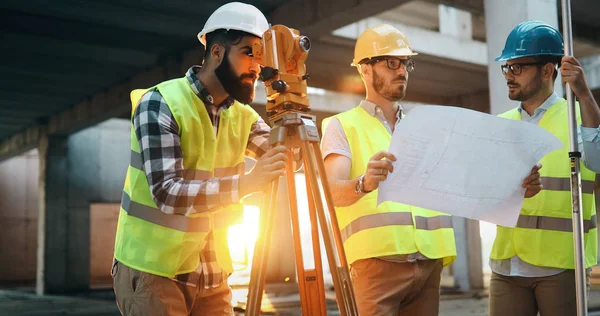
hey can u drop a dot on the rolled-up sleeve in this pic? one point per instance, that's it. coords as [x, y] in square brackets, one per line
[157, 134]
[590, 145]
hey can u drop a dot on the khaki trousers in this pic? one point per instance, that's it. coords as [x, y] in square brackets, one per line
[144, 294]
[390, 288]
[520, 296]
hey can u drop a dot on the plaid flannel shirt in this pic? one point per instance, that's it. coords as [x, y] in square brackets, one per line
[157, 134]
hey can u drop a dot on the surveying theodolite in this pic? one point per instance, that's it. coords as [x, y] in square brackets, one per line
[282, 53]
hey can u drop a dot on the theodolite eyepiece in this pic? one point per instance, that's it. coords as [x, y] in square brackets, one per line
[282, 53]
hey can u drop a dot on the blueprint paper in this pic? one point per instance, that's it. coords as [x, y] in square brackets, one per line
[464, 163]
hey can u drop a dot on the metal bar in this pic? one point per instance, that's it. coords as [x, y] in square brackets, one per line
[349, 300]
[319, 305]
[333, 255]
[575, 155]
[295, 222]
[261, 251]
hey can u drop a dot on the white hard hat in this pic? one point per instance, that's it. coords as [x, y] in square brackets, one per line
[235, 16]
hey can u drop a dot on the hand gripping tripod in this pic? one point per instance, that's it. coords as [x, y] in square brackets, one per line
[293, 127]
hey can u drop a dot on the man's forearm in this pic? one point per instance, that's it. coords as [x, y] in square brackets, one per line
[590, 112]
[247, 186]
[183, 197]
[343, 193]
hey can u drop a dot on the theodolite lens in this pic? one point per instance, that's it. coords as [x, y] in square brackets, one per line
[279, 86]
[304, 43]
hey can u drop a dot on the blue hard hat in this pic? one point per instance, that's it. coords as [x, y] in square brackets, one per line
[532, 38]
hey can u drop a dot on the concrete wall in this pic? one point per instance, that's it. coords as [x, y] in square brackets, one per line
[98, 159]
[18, 218]
[103, 226]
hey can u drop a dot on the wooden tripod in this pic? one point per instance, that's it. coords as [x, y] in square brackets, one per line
[296, 129]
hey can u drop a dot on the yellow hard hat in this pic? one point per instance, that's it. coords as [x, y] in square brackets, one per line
[381, 40]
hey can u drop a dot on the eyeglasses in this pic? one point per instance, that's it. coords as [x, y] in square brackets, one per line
[517, 68]
[394, 63]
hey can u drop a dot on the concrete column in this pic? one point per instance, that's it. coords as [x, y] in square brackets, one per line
[455, 22]
[467, 268]
[54, 273]
[591, 67]
[500, 18]
[76, 170]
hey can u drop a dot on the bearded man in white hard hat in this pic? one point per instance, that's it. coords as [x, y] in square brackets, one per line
[186, 176]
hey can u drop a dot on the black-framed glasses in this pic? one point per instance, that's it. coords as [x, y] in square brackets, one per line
[517, 68]
[394, 63]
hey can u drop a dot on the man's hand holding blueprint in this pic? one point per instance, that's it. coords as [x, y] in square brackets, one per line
[464, 163]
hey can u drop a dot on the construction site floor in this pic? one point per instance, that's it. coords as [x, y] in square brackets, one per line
[23, 302]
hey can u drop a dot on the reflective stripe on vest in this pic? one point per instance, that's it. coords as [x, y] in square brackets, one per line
[169, 244]
[543, 234]
[136, 161]
[433, 223]
[388, 228]
[395, 218]
[553, 223]
[564, 184]
[375, 220]
[172, 221]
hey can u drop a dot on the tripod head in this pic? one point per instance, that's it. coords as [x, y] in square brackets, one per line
[282, 53]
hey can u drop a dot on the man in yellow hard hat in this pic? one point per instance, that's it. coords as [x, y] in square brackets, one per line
[396, 252]
[186, 175]
[533, 263]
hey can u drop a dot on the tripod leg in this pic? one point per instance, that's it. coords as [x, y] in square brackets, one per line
[320, 305]
[331, 235]
[334, 226]
[310, 282]
[261, 251]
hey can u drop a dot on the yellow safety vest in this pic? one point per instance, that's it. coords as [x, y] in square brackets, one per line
[167, 244]
[543, 234]
[391, 228]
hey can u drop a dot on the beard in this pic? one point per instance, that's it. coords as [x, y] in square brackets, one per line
[233, 84]
[525, 93]
[387, 91]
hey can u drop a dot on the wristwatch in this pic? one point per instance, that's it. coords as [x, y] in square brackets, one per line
[359, 188]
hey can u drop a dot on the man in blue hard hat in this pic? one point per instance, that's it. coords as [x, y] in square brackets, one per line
[533, 263]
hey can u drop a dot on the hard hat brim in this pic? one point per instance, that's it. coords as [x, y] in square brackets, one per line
[402, 52]
[202, 34]
[511, 57]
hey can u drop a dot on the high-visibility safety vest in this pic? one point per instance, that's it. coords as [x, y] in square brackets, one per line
[543, 235]
[169, 244]
[391, 228]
